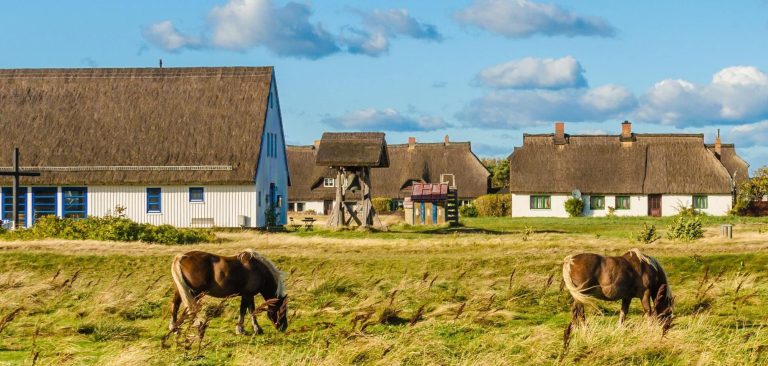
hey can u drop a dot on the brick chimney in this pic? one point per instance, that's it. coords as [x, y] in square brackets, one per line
[718, 145]
[411, 143]
[559, 137]
[447, 140]
[627, 137]
[626, 129]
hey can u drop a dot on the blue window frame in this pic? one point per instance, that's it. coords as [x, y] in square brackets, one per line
[44, 201]
[75, 202]
[154, 200]
[7, 204]
[196, 194]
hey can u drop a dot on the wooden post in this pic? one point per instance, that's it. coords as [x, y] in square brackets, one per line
[337, 214]
[15, 189]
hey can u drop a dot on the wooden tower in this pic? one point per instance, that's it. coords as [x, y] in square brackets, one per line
[352, 155]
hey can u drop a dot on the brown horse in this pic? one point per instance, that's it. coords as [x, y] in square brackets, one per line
[590, 276]
[246, 274]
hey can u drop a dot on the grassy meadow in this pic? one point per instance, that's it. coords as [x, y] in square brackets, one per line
[486, 293]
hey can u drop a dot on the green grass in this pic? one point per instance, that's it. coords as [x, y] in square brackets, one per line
[341, 285]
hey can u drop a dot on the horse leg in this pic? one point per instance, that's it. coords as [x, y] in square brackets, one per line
[577, 313]
[243, 309]
[624, 310]
[646, 300]
[256, 326]
[175, 304]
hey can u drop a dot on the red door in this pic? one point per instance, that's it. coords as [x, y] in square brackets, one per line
[654, 205]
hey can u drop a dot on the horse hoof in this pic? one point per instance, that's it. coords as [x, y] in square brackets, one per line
[239, 330]
[259, 331]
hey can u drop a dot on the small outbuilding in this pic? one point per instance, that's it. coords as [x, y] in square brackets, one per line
[431, 204]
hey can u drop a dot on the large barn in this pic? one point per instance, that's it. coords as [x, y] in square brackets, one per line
[313, 187]
[189, 147]
[630, 174]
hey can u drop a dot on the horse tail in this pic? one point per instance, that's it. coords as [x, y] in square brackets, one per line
[181, 286]
[576, 292]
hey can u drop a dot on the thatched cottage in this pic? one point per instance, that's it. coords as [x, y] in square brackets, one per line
[630, 174]
[189, 147]
[313, 187]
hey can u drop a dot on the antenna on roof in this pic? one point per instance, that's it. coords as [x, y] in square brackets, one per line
[161, 63]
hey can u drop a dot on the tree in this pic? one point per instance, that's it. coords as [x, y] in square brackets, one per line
[499, 169]
[751, 190]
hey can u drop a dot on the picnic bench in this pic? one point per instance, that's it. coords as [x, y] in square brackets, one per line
[309, 222]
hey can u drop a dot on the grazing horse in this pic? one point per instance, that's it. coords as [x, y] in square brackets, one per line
[246, 274]
[590, 276]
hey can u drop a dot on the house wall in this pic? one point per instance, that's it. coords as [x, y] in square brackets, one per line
[272, 169]
[222, 203]
[316, 206]
[717, 205]
[638, 206]
[521, 206]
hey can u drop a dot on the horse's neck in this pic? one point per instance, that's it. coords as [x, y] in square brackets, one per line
[268, 285]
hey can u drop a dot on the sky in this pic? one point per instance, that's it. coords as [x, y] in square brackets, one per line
[484, 71]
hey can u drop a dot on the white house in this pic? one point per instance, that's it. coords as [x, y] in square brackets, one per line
[630, 174]
[189, 147]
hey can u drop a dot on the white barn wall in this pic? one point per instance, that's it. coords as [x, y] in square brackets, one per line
[717, 205]
[222, 203]
[272, 169]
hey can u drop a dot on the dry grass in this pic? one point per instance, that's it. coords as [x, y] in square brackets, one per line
[460, 298]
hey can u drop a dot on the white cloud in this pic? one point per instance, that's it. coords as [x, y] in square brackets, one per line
[532, 73]
[525, 18]
[388, 119]
[753, 134]
[285, 30]
[736, 94]
[522, 108]
[165, 35]
[381, 25]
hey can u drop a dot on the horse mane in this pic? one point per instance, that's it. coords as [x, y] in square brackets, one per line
[651, 261]
[277, 274]
[577, 292]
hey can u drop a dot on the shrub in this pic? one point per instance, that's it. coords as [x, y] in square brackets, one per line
[574, 206]
[497, 205]
[382, 204]
[648, 234]
[611, 211]
[685, 228]
[468, 210]
[108, 228]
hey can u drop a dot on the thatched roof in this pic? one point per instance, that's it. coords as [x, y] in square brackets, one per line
[424, 162]
[353, 149]
[187, 117]
[653, 164]
[737, 167]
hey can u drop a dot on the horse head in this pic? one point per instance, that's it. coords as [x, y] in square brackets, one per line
[663, 303]
[277, 311]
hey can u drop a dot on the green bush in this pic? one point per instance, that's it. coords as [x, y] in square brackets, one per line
[497, 205]
[468, 210]
[574, 207]
[382, 204]
[685, 228]
[648, 234]
[108, 228]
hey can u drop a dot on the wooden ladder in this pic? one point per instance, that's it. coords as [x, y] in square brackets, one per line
[452, 206]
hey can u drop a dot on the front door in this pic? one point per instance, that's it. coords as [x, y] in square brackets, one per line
[654, 205]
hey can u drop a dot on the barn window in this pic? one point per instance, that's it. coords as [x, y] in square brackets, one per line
[329, 182]
[75, 202]
[7, 202]
[300, 206]
[622, 203]
[196, 194]
[43, 201]
[596, 202]
[700, 202]
[541, 202]
[154, 200]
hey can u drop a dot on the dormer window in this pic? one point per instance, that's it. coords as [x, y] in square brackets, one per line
[329, 182]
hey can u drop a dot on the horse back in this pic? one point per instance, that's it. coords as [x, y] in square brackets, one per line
[606, 278]
[218, 276]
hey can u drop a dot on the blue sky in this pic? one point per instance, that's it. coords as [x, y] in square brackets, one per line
[479, 70]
